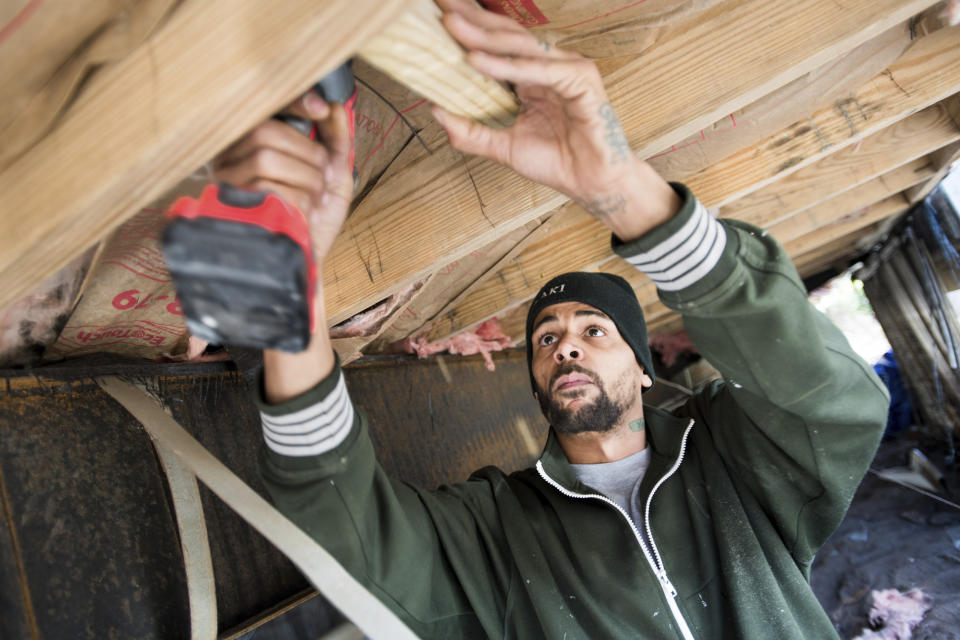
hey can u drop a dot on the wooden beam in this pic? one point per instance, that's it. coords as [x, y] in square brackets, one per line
[781, 108]
[860, 197]
[449, 283]
[773, 48]
[889, 148]
[834, 252]
[928, 72]
[442, 206]
[519, 274]
[846, 225]
[586, 244]
[213, 70]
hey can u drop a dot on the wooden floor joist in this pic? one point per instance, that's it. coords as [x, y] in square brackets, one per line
[899, 144]
[928, 72]
[920, 133]
[942, 159]
[861, 196]
[781, 108]
[850, 223]
[442, 206]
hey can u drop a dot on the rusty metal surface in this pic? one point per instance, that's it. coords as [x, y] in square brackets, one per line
[251, 575]
[437, 420]
[98, 551]
[88, 506]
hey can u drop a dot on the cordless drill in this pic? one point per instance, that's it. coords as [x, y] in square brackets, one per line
[242, 261]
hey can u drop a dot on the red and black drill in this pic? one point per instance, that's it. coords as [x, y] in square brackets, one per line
[242, 261]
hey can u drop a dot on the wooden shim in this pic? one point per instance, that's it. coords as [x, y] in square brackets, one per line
[889, 148]
[862, 196]
[440, 207]
[211, 72]
[417, 51]
[927, 72]
[847, 224]
[781, 108]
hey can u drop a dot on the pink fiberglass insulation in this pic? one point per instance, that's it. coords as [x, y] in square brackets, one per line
[485, 339]
[671, 346]
[368, 322]
[894, 615]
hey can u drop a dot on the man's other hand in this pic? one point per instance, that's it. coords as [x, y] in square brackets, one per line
[567, 135]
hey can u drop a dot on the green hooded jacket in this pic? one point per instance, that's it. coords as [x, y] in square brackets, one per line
[745, 483]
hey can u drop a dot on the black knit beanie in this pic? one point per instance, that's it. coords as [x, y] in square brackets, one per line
[604, 291]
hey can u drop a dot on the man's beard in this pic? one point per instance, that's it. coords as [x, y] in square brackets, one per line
[601, 415]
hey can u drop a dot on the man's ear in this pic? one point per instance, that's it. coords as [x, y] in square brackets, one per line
[536, 396]
[645, 381]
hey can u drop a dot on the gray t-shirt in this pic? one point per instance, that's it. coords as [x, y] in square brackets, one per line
[618, 480]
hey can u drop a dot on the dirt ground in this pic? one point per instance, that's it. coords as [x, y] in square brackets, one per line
[894, 537]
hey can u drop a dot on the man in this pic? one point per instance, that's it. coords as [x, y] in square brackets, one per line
[634, 523]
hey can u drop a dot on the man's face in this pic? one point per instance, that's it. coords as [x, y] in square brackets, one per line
[586, 374]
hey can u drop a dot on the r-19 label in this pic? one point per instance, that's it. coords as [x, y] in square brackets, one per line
[132, 299]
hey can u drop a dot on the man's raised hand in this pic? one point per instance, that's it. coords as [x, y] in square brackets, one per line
[567, 135]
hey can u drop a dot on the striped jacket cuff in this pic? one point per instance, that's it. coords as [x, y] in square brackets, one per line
[314, 429]
[687, 249]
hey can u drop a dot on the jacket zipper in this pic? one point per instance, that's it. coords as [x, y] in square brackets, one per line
[654, 560]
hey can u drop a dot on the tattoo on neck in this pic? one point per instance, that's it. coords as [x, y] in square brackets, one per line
[637, 425]
[605, 206]
[615, 138]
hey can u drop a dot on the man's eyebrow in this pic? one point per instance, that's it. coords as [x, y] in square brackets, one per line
[542, 320]
[581, 312]
[592, 312]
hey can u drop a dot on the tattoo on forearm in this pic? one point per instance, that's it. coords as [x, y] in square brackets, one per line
[615, 137]
[605, 206]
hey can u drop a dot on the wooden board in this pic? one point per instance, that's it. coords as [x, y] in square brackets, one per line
[851, 223]
[773, 48]
[896, 145]
[211, 72]
[415, 50]
[864, 195]
[447, 284]
[788, 104]
[926, 73]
